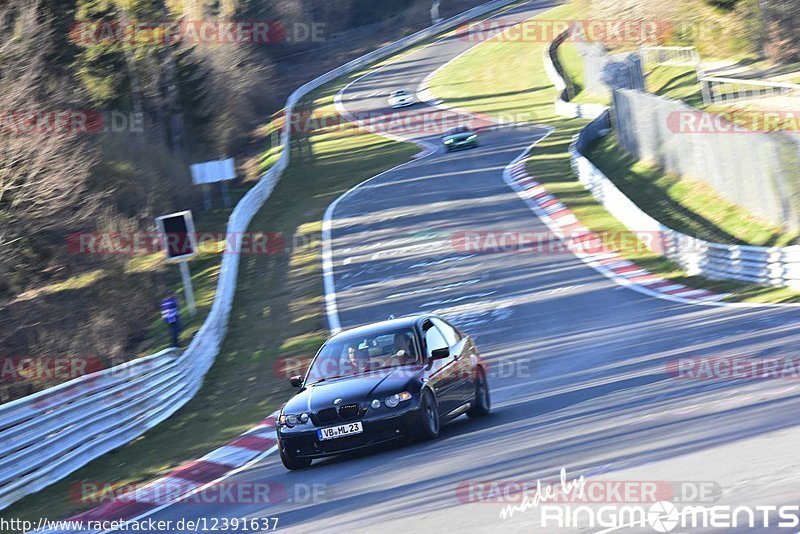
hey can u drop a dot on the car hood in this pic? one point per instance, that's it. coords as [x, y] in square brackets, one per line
[458, 137]
[354, 389]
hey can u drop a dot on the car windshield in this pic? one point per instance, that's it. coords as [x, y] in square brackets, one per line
[457, 130]
[357, 354]
[399, 93]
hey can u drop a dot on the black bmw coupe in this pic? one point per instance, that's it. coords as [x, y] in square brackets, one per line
[400, 378]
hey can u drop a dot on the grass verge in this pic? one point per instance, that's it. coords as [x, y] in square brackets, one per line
[688, 206]
[501, 77]
[677, 83]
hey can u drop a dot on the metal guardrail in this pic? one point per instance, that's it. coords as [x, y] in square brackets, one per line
[723, 90]
[775, 266]
[718, 89]
[670, 55]
[48, 435]
[566, 91]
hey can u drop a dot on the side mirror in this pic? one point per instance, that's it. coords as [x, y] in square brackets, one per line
[440, 354]
[296, 381]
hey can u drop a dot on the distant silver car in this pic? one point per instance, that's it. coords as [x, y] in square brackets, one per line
[400, 99]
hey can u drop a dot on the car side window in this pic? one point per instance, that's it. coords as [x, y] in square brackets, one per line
[434, 340]
[449, 333]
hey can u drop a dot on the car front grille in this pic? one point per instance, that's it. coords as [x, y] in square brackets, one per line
[328, 415]
[332, 415]
[348, 411]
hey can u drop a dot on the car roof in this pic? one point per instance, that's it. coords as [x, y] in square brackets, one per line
[457, 129]
[407, 321]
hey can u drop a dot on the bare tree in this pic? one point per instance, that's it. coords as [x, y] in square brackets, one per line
[44, 161]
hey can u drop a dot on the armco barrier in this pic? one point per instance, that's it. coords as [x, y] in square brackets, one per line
[48, 435]
[777, 266]
[557, 76]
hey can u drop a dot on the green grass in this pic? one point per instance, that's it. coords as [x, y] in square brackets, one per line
[688, 206]
[571, 60]
[501, 78]
[677, 83]
[277, 315]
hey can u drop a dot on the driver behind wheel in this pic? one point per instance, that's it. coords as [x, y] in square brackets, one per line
[403, 350]
[354, 362]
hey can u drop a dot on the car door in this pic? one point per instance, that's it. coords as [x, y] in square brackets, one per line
[443, 373]
[463, 386]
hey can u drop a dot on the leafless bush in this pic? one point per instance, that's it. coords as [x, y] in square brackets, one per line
[782, 22]
[43, 168]
[236, 93]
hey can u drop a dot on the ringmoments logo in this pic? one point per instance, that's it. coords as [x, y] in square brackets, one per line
[609, 506]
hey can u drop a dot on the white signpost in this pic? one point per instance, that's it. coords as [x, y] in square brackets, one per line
[210, 172]
[179, 243]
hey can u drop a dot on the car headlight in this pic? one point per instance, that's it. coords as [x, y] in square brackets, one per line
[397, 398]
[293, 420]
[448, 141]
[472, 137]
[375, 404]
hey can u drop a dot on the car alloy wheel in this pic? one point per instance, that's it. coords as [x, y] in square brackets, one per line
[429, 414]
[482, 403]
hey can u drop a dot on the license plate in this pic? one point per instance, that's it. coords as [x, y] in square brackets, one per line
[334, 432]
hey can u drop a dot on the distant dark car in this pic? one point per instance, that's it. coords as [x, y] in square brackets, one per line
[401, 378]
[459, 137]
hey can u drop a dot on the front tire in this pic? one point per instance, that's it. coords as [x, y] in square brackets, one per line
[291, 463]
[482, 405]
[429, 416]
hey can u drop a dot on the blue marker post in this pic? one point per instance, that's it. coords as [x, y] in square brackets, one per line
[171, 315]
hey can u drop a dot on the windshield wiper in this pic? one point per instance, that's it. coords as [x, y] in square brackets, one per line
[324, 378]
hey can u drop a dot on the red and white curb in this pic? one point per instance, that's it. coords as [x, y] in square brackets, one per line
[188, 479]
[565, 225]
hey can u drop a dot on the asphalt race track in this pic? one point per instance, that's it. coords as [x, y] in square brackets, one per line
[578, 365]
